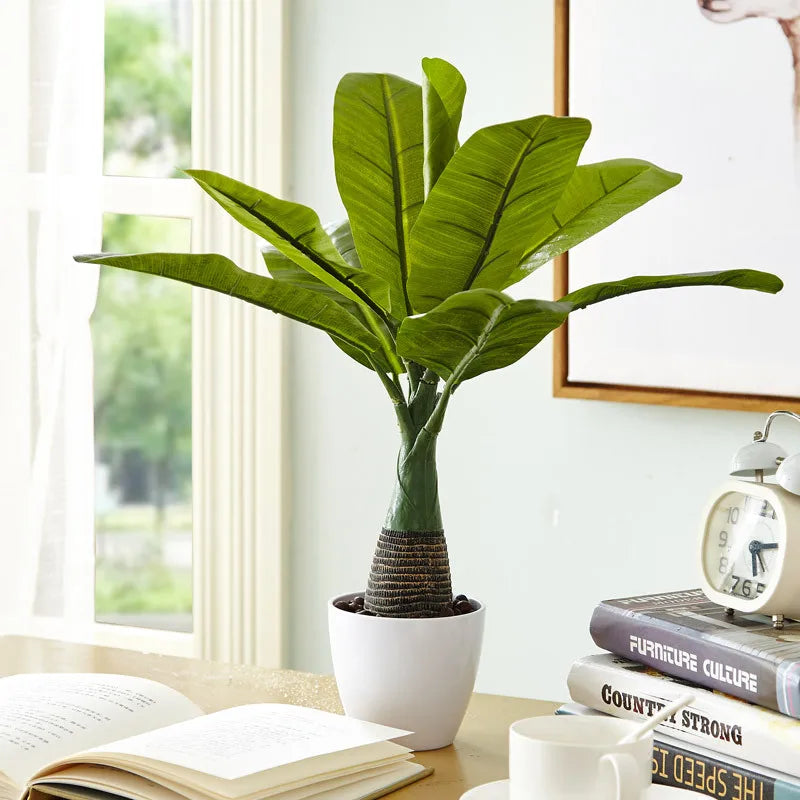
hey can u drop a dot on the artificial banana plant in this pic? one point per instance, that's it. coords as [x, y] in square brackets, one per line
[411, 285]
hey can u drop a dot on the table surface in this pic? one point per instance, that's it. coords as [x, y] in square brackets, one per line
[479, 754]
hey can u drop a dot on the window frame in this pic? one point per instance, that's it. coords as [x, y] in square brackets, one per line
[238, 429]
[238, 128]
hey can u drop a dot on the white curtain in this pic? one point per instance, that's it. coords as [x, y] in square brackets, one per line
[59, 169]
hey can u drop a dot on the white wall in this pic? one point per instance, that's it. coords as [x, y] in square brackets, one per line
[549, 505]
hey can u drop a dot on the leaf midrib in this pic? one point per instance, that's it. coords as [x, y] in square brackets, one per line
[239, 274]
[306, 251]
[561, 225]
[397, 197]
[498, 213]
[491, 323]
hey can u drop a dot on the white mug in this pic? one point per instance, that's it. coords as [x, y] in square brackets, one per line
[577, 758]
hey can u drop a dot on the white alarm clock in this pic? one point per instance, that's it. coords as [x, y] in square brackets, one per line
[750, 535]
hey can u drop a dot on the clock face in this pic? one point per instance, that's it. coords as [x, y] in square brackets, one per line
[741, 552]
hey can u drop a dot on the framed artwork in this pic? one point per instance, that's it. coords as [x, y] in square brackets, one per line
[706, 88]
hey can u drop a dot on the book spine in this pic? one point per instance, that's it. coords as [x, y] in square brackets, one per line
[677, 651]
[706, 772]
[721, 724]
[715, 777]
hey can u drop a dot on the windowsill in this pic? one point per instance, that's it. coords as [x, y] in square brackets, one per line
[127, 637]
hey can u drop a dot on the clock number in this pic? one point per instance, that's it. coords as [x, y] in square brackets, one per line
[745, 588]
[733, 515]
[723, 565]
[723, 538]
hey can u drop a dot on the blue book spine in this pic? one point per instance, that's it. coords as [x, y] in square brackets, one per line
[715, 777]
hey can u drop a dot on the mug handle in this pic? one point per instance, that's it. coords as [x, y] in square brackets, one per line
[627, 775]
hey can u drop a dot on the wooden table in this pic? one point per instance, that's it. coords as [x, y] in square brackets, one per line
[480, 752]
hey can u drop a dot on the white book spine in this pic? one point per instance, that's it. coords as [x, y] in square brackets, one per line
[714, 721]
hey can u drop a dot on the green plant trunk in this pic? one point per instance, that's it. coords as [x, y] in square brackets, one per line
[410, 574]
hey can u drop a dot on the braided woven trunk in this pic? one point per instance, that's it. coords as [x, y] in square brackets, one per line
[410, 574]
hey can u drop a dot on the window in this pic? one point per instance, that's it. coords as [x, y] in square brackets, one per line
[141, 329]
[120, 528]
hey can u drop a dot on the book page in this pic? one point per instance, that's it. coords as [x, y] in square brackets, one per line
[102, 783]
[245, 740]
[107, 779]
[44, 718]
[136, 787]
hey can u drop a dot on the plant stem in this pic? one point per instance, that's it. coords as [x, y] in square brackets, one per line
[395, 392]
[434, 424]
[410, 574]
[386, 338]
[415, 372]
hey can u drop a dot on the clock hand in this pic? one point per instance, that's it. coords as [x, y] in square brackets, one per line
[772, 546]
[761, 561]
[755, 553]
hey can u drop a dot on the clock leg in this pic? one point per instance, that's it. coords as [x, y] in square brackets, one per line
[777, 622]
[728, 612]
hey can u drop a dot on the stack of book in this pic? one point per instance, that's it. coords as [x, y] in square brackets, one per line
[740, 738]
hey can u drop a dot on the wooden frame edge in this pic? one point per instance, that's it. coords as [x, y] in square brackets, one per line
[622, 393]
[561, 264]
[663, 396]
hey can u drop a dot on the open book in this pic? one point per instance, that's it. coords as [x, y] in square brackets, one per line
[85, 737]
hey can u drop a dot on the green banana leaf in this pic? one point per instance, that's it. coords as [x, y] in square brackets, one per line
[212, 271]
[284, 269]
[476, 331]
[596, 196]
[377, 148]
[443, 93]
[294, 230]
[481, 329]
[497, 191]
[737, 278]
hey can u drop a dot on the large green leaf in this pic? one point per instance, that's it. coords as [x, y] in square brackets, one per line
[443, 93]
[294, 230]
[377, 147]
[737, 278]
[212, 271]
[477, 331]
[283, 269]
[497, 191]
[596, 196]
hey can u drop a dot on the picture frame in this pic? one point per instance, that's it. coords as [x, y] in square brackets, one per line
[619, 391]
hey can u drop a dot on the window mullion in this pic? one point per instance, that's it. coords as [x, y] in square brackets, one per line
[154, 197]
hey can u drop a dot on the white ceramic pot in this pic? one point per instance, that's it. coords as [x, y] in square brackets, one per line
[414, 674]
